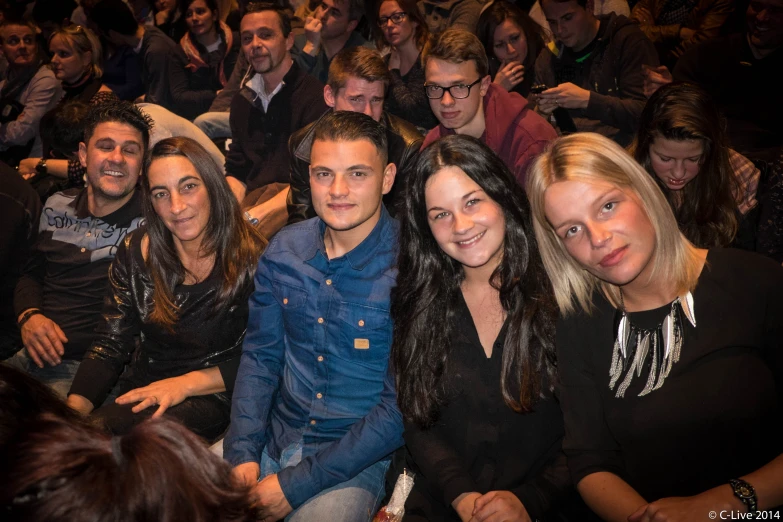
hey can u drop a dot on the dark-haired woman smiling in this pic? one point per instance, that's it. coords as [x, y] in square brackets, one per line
[181, 283]
[473, 344]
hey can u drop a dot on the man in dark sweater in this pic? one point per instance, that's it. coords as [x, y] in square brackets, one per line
[164, 70]
[276, 98]
[596, 72]
[59, 296]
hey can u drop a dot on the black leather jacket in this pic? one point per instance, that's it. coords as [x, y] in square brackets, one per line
[201, 338]
[404, 143]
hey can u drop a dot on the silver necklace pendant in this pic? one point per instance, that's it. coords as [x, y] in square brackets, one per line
[663, 343]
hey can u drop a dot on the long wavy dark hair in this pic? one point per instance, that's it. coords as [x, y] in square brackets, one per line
[236, 245]
[493, 16]
[705, 208]
[428, 285]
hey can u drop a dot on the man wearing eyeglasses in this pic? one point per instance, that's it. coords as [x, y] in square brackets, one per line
[465, 101]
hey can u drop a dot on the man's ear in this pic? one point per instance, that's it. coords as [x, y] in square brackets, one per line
[289, 41]
[485, 81]
[329, 96]
[83, 154]
[389, 173]
[352, 25]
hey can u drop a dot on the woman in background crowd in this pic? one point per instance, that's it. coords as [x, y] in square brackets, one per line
[76, 62]
[483, 431]
[402, 28]
[512, 41]
[668, 354]
[210, 45]
[682, 144]
[182, 283]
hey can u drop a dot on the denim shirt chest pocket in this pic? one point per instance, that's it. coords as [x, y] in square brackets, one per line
[365, 334]
[292, 302]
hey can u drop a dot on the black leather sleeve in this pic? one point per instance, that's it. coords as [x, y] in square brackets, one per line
[299, 202]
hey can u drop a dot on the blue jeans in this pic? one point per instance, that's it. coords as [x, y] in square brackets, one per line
[58, 377]
[355, 500]
[214, 124]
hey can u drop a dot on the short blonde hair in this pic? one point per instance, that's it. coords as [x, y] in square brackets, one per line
[590, 158]
[82, 40]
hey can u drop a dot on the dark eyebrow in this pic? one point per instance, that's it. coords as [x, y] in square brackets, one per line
[466, 196]
[360, 167]
[108, 140]
[180, 182]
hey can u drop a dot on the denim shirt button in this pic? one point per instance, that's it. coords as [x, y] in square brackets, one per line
[320, 358]
[329, 282]
[312, 422]
[361, 322]
[320, 320]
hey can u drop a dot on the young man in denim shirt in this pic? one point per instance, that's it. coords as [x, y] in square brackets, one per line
[314, 412]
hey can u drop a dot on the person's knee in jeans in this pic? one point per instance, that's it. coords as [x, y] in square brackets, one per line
[356, 500]
[58, 377]
[214, 124]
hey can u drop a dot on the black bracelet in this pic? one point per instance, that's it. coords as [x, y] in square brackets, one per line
[27, 315]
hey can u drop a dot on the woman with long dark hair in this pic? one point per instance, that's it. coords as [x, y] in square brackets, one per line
[668, 354]
[682, 143]
[210, 45]
[473, 346]
[401, 27]
[180, 284]
[513, 41]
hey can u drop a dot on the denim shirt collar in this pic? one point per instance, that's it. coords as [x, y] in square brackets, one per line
[362, 254]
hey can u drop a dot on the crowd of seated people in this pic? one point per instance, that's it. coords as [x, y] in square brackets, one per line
[260, 259]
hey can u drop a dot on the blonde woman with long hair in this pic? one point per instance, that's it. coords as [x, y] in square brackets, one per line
[671, 374]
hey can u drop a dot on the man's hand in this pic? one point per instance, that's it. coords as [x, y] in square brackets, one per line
[655, 78]
[465, 504]
[43, 339]
[165, 393]
[247, 473]
[501, 506]
[312, 29]
[510, 75]
[689, 509]
[566, 95]
[27, 167]
[274, 505]
[686, 33]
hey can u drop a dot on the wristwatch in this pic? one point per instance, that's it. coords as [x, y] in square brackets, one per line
[41, 167]
[746, 493]
[250, 219]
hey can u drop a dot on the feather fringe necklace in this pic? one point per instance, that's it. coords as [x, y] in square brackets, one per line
[634, 344]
